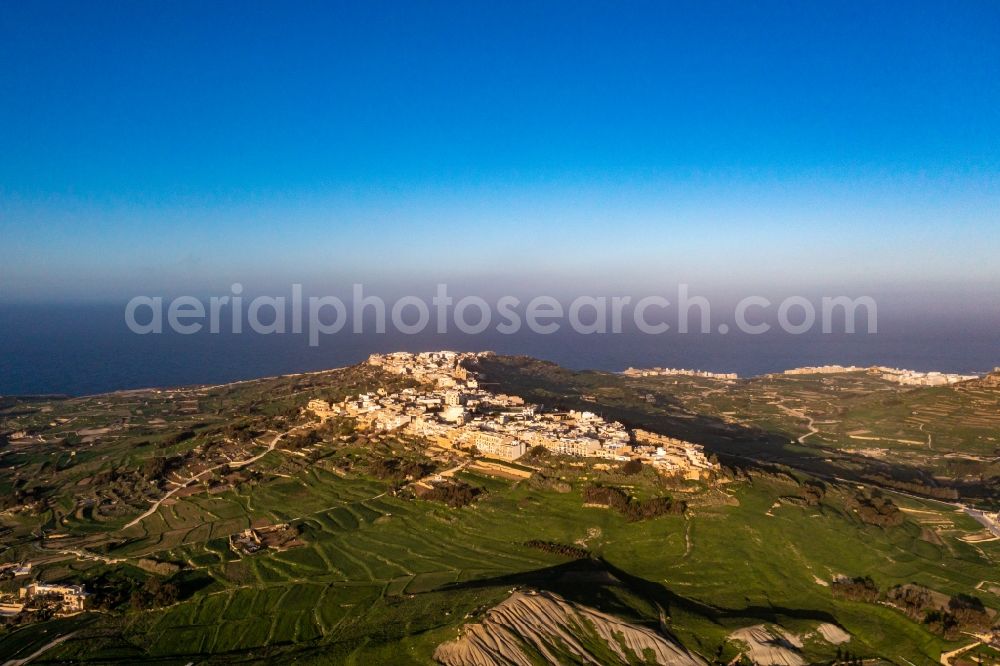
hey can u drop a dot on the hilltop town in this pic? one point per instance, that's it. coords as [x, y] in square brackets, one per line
[452, 410]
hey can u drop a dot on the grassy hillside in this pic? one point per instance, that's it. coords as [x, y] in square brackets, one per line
[383, 577]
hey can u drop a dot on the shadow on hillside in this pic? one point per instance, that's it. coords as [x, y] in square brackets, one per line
[596, 583]
[736, 446]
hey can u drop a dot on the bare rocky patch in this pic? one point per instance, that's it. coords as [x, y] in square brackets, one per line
[531, 625]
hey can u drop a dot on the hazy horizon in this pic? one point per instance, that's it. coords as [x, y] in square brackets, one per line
[784, 150]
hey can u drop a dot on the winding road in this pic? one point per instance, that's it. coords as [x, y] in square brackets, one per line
[799, 414]
[238, 463]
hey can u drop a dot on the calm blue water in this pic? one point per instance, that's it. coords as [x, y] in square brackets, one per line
[88, 349]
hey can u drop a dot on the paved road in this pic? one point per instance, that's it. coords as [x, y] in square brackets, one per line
[37, 653]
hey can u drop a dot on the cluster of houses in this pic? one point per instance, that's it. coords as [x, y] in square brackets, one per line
[61, 599]
[823, 370]
[14, 570]
[904, 377]
[658, 372]
[451, 410]
[916, 378]
[67, 598]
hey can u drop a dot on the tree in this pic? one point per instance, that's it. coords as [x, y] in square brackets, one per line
[632, 467]
[538, 452]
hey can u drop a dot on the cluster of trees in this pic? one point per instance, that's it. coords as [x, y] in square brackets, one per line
[398, 469]
[631, 508]
[917, 487]
[23, 495]
[964, 612]
[859, 588]
[126, 489]
[876, 509]
[542, 482]
[156, 468]
[847, 658]
[455, 494]
[911, 599]
[573, 552]
[243, 432]
[152, 469]
[310, 438]
[970, 613]
[153, 594]
[114, 591]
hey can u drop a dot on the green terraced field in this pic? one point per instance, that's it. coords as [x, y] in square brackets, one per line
[384, 578]
[376, 573]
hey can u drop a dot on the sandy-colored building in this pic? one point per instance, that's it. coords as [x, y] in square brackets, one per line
[497, 445]
[72, 598]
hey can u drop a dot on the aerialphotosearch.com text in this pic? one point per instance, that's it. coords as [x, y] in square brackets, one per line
[362, 313]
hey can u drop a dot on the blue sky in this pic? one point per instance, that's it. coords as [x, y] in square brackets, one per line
[179, 147]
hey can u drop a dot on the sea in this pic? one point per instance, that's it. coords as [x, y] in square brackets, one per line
[87, 349]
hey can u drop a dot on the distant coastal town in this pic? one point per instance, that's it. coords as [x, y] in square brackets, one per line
[655, 372]
[896, 375]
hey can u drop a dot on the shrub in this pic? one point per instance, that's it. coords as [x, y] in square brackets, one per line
[455, 494]
[876, 509]
[574, 552]
[542, 482]
[813, 492]
[632, 467]
[538, 452]
[632, 509]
